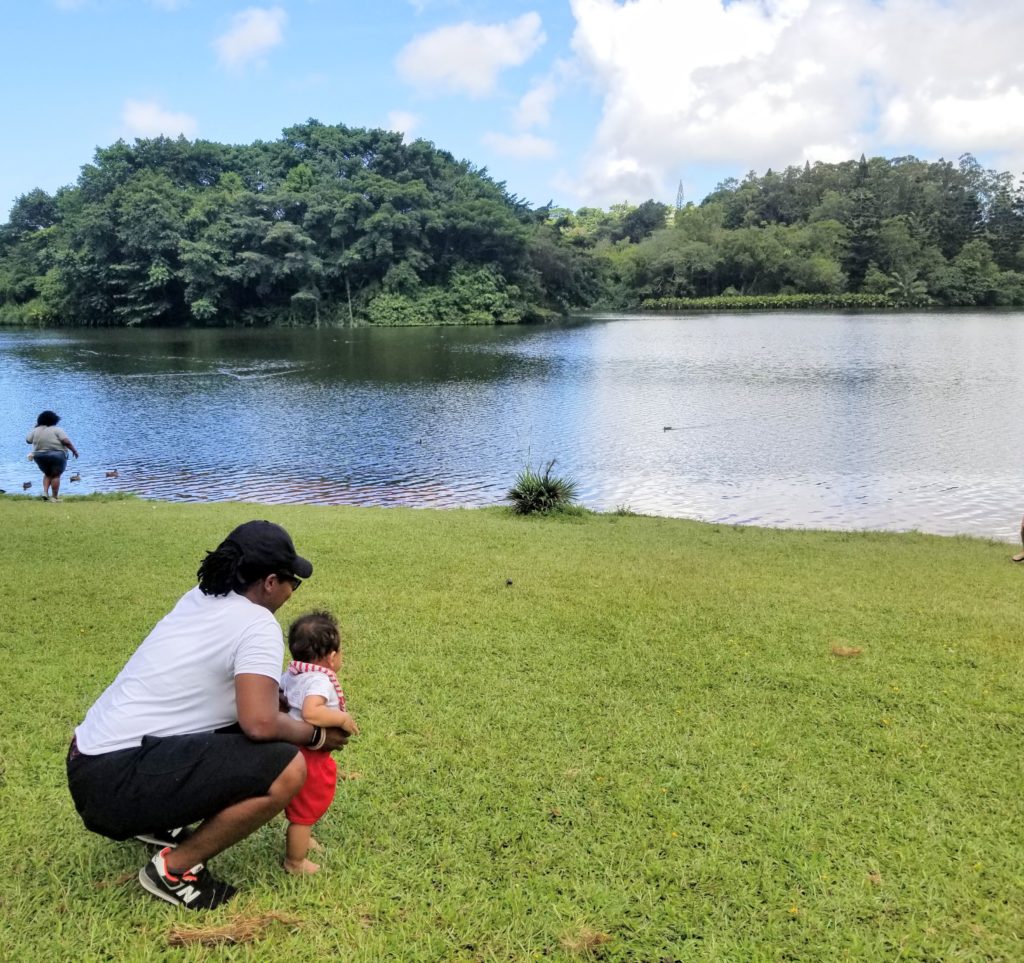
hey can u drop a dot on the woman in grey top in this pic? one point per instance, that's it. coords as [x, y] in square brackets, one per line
[50, 447]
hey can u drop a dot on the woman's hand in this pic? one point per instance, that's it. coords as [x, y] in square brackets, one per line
[336, 738]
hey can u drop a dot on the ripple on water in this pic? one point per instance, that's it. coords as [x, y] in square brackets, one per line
[835, 421]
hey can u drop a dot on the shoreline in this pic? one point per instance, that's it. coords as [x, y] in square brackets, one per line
[1010, 539]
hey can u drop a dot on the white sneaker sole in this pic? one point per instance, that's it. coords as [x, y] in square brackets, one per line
[150, 887]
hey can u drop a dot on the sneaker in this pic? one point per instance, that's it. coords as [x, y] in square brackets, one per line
[194, 889]
[166, 837]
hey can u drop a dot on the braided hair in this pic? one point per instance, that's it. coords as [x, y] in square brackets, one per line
[224, 571]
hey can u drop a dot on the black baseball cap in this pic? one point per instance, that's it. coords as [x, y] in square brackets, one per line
[267, 548]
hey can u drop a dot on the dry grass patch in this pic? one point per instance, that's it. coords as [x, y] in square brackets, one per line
[585, 941]
[240, 929]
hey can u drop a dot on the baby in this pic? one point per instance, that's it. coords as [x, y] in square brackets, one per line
[310, 686]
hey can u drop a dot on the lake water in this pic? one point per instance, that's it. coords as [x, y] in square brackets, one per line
[826, 421]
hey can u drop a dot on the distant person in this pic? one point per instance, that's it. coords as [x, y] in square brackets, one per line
[1019, 557]
[192, 728]
[313, 694]
[50, 447]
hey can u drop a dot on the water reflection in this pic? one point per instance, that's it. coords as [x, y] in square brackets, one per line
[838, 421]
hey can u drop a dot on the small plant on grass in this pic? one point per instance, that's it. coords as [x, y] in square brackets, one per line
[541, 493]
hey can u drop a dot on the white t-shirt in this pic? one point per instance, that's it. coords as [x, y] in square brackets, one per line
[181, 679]
[297, 687]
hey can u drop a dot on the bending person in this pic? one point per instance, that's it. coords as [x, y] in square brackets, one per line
[1019, 557]
[191, 728]
[50, 447]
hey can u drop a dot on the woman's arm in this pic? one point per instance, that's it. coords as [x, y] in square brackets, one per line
[262, 720]
[69, 444]
[317, 712]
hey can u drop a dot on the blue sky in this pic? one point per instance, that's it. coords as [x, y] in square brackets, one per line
[583, 102]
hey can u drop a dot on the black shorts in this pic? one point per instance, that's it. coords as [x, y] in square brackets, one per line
[171, 781]
[51, 463]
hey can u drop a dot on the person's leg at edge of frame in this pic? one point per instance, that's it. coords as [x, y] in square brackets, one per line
[55, 486]
[230, 825]
[1019, 557]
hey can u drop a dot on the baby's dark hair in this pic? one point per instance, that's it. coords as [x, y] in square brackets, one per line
[312, 636]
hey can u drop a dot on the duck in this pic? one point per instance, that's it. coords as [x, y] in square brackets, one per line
[75, 477]
[25, 486]
[112, 474]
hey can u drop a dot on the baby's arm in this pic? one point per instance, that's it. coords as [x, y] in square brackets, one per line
[317, 712]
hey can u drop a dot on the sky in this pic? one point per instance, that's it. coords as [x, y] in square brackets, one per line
[576, 102]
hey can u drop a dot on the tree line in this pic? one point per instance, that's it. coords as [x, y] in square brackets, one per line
[334, 225]
[903, 230]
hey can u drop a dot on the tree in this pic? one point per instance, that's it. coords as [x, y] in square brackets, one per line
[34, 211]
[644, 220]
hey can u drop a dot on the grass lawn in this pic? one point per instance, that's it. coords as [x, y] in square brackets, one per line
[641, 749]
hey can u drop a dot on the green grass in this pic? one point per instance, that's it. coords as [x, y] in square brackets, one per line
[645, 736]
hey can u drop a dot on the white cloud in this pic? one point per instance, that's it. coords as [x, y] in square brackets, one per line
[467, 57]
[534, 109]
[146, 118]
[759, 83]
[964, 119]
[252, 33]
[403, 121]
[522, 146]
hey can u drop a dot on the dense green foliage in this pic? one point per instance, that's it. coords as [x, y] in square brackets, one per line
[324, 225]
[909, 232]
[644, 745]
[777, 302]
[340, 225]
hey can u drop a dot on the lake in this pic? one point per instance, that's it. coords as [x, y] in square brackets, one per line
[843, 421]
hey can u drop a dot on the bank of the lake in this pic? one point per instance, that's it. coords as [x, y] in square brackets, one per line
[627, 727]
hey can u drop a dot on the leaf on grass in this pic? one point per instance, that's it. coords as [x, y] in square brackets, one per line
[845, 651]
[241, 929]
[118, 881]
[585, 941]
[875, 878]
[350, 774]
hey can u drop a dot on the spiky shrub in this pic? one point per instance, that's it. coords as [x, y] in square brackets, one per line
[541, 492]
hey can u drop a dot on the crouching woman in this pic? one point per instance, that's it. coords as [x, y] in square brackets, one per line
[191, 729]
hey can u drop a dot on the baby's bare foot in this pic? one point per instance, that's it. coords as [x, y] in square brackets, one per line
[300, 867]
